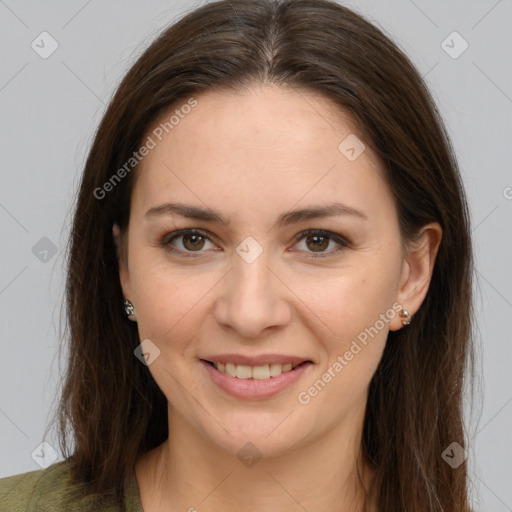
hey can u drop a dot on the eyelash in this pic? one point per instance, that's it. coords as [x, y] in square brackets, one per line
[168, 238]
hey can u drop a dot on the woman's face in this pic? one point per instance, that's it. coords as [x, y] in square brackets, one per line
[305, 267]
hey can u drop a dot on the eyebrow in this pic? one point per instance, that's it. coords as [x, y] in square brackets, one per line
[287, 218]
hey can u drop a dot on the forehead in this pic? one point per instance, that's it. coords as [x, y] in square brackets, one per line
[262, 147]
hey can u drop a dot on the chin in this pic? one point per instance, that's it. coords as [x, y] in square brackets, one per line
[270, 436]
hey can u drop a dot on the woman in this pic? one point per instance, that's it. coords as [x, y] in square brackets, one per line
[269, 280]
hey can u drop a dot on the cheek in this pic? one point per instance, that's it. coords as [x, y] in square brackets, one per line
[351, 319]
[352, 301]
[170, 307]
[351, 323]
[168, 301]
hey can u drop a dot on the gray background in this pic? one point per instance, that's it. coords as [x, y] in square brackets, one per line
[51, 107]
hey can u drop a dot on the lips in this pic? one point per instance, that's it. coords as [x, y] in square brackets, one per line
[254, 377]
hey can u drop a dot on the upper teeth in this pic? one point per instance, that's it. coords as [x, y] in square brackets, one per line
[262, 372]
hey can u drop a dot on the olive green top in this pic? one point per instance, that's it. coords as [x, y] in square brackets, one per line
[52, 490]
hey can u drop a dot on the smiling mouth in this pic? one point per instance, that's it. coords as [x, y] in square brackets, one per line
[259, 372]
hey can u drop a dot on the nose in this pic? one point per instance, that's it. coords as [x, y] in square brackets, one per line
[253, 299]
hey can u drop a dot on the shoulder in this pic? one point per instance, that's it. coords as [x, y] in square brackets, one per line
[22, 492]
[44, 490]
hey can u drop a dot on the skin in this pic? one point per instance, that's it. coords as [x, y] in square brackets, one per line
[251, 156]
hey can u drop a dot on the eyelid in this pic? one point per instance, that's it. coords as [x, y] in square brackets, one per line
[337, 238]
[169, 237]
[187, 231]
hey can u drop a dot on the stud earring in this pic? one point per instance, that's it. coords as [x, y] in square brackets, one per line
[406, 317]
[128, 309]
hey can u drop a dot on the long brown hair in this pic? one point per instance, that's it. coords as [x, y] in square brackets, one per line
[111, 408]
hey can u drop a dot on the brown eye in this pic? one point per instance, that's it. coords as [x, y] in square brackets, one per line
[317, 243]
[193, 242]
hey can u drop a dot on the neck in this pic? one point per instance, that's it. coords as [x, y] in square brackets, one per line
[325, 474]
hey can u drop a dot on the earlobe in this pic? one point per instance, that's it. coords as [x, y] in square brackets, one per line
[129, 310]
[417, 273]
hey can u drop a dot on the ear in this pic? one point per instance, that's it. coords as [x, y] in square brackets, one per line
[121, 253]
[417, 270]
